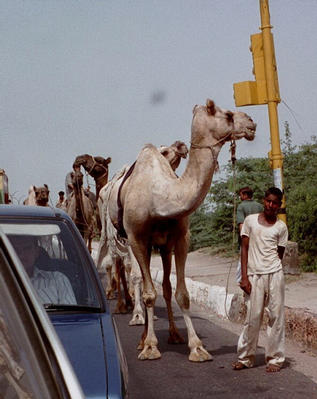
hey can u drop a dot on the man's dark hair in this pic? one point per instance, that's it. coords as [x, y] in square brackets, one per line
[275, 191]
[61, 193]
[246, 190]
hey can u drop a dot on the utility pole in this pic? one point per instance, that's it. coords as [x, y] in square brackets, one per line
[265, 90]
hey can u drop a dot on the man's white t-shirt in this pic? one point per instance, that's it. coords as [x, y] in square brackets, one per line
[263, 242]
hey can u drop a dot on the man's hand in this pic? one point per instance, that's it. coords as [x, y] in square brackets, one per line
[245, 285]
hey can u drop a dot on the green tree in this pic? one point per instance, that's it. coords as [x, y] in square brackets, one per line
[213, 223]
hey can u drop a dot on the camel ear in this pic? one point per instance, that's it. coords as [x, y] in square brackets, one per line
[229, 116]
[195, 106]
[211, 108]
[164, 153]
[46, 186]
[108, 160]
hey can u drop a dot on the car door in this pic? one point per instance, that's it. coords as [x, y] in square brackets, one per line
[33, 363]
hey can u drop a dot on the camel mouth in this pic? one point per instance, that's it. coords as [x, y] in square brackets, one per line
[250, 133]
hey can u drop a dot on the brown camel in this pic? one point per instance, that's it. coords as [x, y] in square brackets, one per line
[114, 254]
[81, 209]
[96, 167]
[38, 196]
[156, 206]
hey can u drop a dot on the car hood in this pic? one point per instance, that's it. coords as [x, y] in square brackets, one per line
[83, 339]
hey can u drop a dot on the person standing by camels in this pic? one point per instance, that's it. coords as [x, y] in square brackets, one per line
[247, 207]
[61, 203]
[264, 238]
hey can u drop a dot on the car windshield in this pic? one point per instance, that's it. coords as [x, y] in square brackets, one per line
[56, 263]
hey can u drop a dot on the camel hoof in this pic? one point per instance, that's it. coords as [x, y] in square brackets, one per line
[140, 346]
[149, 353]
[120, 309]
[110, 295]
[175, 338]
[199, 354]
[155, 318]
[129, 306]
[137, 320]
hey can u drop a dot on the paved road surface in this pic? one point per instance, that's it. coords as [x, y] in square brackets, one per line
[174, 376]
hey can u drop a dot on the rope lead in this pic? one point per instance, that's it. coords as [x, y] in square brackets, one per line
[233, 161]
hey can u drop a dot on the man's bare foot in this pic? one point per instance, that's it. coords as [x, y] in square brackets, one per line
[238, 366]
[273, 368]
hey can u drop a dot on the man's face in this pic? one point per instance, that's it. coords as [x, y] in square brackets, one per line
[243, 196]
[27, 251]
[271, 205]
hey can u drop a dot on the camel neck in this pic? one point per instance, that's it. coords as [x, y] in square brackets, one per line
[198, 174]
[100, 182]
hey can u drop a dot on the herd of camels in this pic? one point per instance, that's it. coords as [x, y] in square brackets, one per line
[147, 205]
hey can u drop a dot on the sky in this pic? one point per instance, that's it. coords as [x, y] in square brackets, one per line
[105, 77]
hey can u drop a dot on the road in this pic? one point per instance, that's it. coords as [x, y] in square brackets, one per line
[174, 376]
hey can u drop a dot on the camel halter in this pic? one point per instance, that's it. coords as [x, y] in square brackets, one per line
[93, 167]
[211, 147]
[233, 161]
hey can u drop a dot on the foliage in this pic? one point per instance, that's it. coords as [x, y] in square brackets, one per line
[213, 224]
[300, 182]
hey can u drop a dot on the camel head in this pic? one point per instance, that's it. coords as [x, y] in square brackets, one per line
[213, 125]
[41, 195]
[174, 153]
[94, 166]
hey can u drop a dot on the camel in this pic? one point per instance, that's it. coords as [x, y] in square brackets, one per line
[96, 167]
[156, 207]
[37, 196]
[81, 209]
[114, 252]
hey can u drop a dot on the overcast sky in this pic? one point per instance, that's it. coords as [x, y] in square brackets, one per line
[105, 77]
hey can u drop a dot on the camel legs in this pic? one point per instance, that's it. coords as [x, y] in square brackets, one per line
[197, 352]
[174, 336]
[142, 253]
[120, 274]
[127, 296]
[136, 282]
[102, 250]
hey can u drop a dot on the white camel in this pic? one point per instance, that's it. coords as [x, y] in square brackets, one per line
[114, 253]
[156, 206]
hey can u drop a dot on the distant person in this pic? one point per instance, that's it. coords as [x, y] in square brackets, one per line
[247, 207]
[68, 182]
[91, 196]
[264, 238]
[51, 286]
[61, 203]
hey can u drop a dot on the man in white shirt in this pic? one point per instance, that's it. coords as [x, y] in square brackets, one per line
[264, 238]
[52, 287]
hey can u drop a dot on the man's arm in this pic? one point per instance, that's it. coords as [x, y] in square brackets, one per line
[245, 284]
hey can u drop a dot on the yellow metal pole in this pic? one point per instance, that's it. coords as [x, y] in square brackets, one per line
[272, 101]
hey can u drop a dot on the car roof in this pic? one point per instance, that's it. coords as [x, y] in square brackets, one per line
[27, 211]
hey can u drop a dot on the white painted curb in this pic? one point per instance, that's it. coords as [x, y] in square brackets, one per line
[212, 297]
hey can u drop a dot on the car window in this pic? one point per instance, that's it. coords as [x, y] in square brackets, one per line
[55, 262]
[33, 364]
